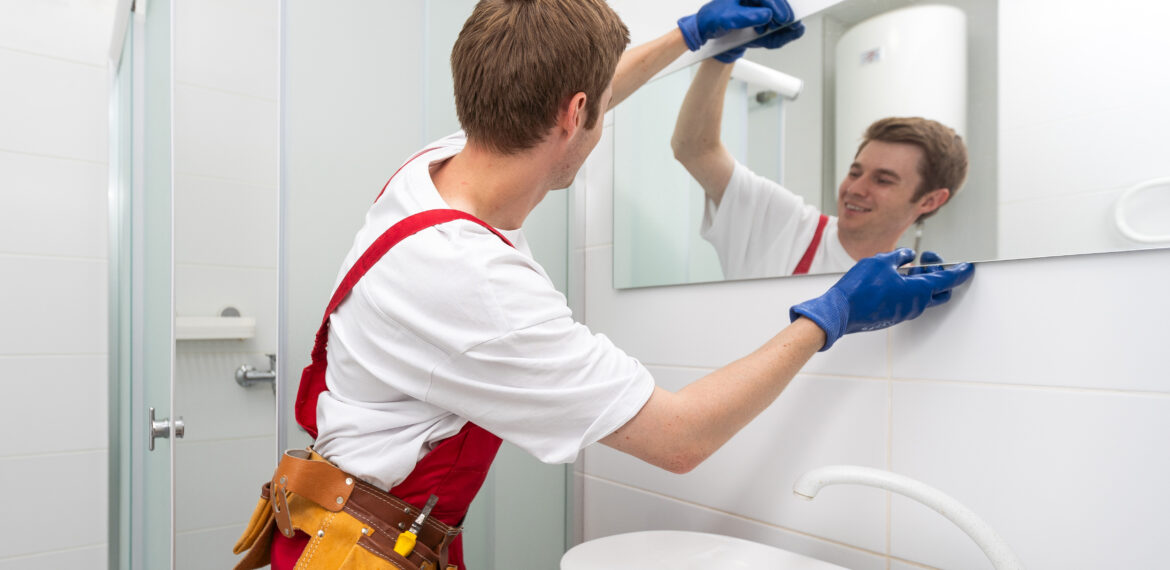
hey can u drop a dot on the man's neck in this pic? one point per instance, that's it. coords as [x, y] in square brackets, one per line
[498, 189]
[860, 246]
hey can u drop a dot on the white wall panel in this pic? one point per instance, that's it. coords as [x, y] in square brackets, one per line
[50, 204]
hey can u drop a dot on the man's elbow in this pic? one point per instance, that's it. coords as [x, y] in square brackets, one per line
[682, 461]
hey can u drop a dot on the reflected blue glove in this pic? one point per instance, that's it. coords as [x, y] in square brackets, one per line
[873, 295]
[718, 17]
[774, 40]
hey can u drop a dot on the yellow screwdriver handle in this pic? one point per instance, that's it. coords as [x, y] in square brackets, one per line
[405, 543]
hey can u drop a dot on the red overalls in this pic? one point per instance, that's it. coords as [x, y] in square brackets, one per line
[455, 469]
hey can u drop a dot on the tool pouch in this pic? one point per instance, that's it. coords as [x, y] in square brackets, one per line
[351, 524]
[257, 537]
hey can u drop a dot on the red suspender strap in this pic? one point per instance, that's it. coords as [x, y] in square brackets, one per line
[811, 252]
[313, 377]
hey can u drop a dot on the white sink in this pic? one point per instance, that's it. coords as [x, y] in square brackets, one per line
[682, 550]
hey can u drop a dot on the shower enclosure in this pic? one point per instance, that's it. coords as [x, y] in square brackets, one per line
[224, 176]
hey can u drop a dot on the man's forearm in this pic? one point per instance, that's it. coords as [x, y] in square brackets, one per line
[638, 64]
[697, 141]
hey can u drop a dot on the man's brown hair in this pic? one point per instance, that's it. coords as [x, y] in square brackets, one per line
[944, 155]
[517, 61]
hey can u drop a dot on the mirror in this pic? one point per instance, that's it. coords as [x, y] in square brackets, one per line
[1061, 131]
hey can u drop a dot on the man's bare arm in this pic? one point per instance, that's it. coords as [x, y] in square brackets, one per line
[696, 141]
[678, 430]
[638, 64]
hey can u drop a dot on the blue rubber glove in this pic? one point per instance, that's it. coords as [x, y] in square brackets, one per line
[873, 295]
[718, 17]
[774, 40]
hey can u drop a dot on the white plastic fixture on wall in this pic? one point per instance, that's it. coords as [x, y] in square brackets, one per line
[1119, 213]
[996, 549]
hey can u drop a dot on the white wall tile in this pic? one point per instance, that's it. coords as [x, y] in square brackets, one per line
[1086, 321]
[712, 325]
[53, 306]
[221, 222]
[87, 557]
[615, 509]
[207, 550]
[1081, 223]
[203, 291]
[229, 45]
[217, 483]
[53, 107]
[62, 493]
[64, 397]
[213, 405]
[68, 29]
[52, 206]
[1070, 479]
[223, 135]
[815, 422]
[1070, 156]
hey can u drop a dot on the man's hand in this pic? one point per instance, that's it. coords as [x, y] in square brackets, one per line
[873, 295]
[774, 40]
[718, 17]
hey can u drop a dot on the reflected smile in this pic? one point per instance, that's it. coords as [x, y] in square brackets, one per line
[854, 208]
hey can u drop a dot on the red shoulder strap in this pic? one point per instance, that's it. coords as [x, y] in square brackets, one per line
[313, 377]
[811, 252]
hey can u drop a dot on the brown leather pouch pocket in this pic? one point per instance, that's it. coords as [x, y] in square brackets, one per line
[257, 537]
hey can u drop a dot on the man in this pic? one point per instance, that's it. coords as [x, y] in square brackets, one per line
[904, 171]
[453, 339]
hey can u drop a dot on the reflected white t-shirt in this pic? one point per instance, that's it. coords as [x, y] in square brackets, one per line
[453, 325]
[761, 229]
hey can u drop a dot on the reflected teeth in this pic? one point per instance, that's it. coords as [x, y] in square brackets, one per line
[853, 208]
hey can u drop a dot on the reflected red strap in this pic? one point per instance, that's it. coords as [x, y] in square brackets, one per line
[313, 377]
[811, 252]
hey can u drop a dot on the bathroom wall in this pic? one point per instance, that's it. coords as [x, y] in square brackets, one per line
[1036, 397]
[225, 172]
[1066, 101]
[53, 282]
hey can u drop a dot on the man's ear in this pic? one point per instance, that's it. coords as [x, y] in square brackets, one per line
[933, 200]
[572, 115]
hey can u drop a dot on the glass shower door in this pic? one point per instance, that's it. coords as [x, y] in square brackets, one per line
[141, 310]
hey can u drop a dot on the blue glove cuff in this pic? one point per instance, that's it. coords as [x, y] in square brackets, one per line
[829, 311]
[689, 26]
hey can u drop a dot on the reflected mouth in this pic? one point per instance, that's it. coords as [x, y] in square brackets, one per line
[859, 209]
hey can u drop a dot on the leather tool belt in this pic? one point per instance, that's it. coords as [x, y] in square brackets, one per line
[351, 524]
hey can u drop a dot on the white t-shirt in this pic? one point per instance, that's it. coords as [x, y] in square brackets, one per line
[761, 229]
[451, 326]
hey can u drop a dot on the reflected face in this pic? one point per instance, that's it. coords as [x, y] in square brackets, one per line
[875, 199]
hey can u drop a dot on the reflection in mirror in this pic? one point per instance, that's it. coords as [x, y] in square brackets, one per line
[1050, 155]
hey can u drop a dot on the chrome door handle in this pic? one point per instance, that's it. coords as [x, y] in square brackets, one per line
[162, 428]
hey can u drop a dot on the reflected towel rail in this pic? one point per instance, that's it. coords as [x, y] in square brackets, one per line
[1119, 210]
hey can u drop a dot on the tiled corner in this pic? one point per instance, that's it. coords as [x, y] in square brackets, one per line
[815, 422]
[1069, 478]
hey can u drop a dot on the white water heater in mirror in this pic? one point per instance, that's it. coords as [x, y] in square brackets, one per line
[910, 62]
